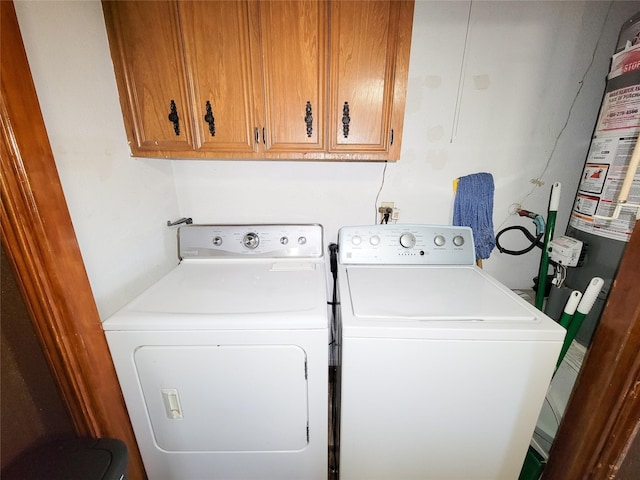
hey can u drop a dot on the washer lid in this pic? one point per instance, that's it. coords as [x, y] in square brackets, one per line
[437, 302]
[432, 293]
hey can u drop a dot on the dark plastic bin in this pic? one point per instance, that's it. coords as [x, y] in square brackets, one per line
[71, 459]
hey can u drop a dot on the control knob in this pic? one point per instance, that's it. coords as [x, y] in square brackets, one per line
[251, 240]
[407, 240]
[458, 240]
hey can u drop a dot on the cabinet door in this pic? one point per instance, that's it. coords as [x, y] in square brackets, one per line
[368, 59]
[294, 39]
[217, 38]
[147, 53]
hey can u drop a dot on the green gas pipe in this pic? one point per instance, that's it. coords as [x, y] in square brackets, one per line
[554, 202]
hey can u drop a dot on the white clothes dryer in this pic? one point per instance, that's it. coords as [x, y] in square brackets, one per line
[223, 362]
[443, 369]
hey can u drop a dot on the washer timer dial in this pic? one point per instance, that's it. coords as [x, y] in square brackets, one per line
[407, 240]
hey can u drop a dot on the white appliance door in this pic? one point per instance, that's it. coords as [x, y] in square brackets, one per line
[225, 398]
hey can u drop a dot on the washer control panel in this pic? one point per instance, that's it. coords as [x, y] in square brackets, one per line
[277, 241]
[406, 245]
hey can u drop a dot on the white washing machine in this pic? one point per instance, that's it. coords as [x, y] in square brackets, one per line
[223, 362]
[443, 370]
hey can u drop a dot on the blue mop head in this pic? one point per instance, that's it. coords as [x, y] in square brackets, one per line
[473, 207]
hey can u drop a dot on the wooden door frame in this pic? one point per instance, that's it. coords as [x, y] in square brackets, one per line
[40, 242]
[601, 419]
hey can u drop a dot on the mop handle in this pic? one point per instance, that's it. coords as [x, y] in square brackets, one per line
[590, 295]
[554, 202]
[570, 308]
[584, 307]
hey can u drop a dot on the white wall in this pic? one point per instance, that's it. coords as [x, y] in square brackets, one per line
[119, 206]
[508, 87]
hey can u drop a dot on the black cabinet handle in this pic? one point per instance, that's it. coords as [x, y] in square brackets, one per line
[257, 135]
[308, 119]
[174, 118]
[210, 119]
[346, 119]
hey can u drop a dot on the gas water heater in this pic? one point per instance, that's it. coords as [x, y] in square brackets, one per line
[593, 218]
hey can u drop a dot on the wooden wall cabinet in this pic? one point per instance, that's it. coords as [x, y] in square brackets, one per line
[294, 48]
[285, 79]
[146, 46]
[195, 58]
[369, 62]
[222, 66]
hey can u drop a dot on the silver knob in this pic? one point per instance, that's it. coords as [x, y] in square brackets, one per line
[217, 241]
[356, 240]
[284, 240]
[407, 240]
[251, 240]
[439, 240]
[458, 240]
[302, 240]
[375, 240]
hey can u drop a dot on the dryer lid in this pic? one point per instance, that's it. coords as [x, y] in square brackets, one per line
[215, 294]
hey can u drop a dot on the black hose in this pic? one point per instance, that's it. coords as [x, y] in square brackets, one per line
[334, 379]
[535, 241]
[333, 262]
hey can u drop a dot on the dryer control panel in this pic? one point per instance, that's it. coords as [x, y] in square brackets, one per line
[406, 245]
[258, 240]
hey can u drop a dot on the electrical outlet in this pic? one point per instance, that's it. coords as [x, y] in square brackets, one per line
[384, 206]
[388, 212]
